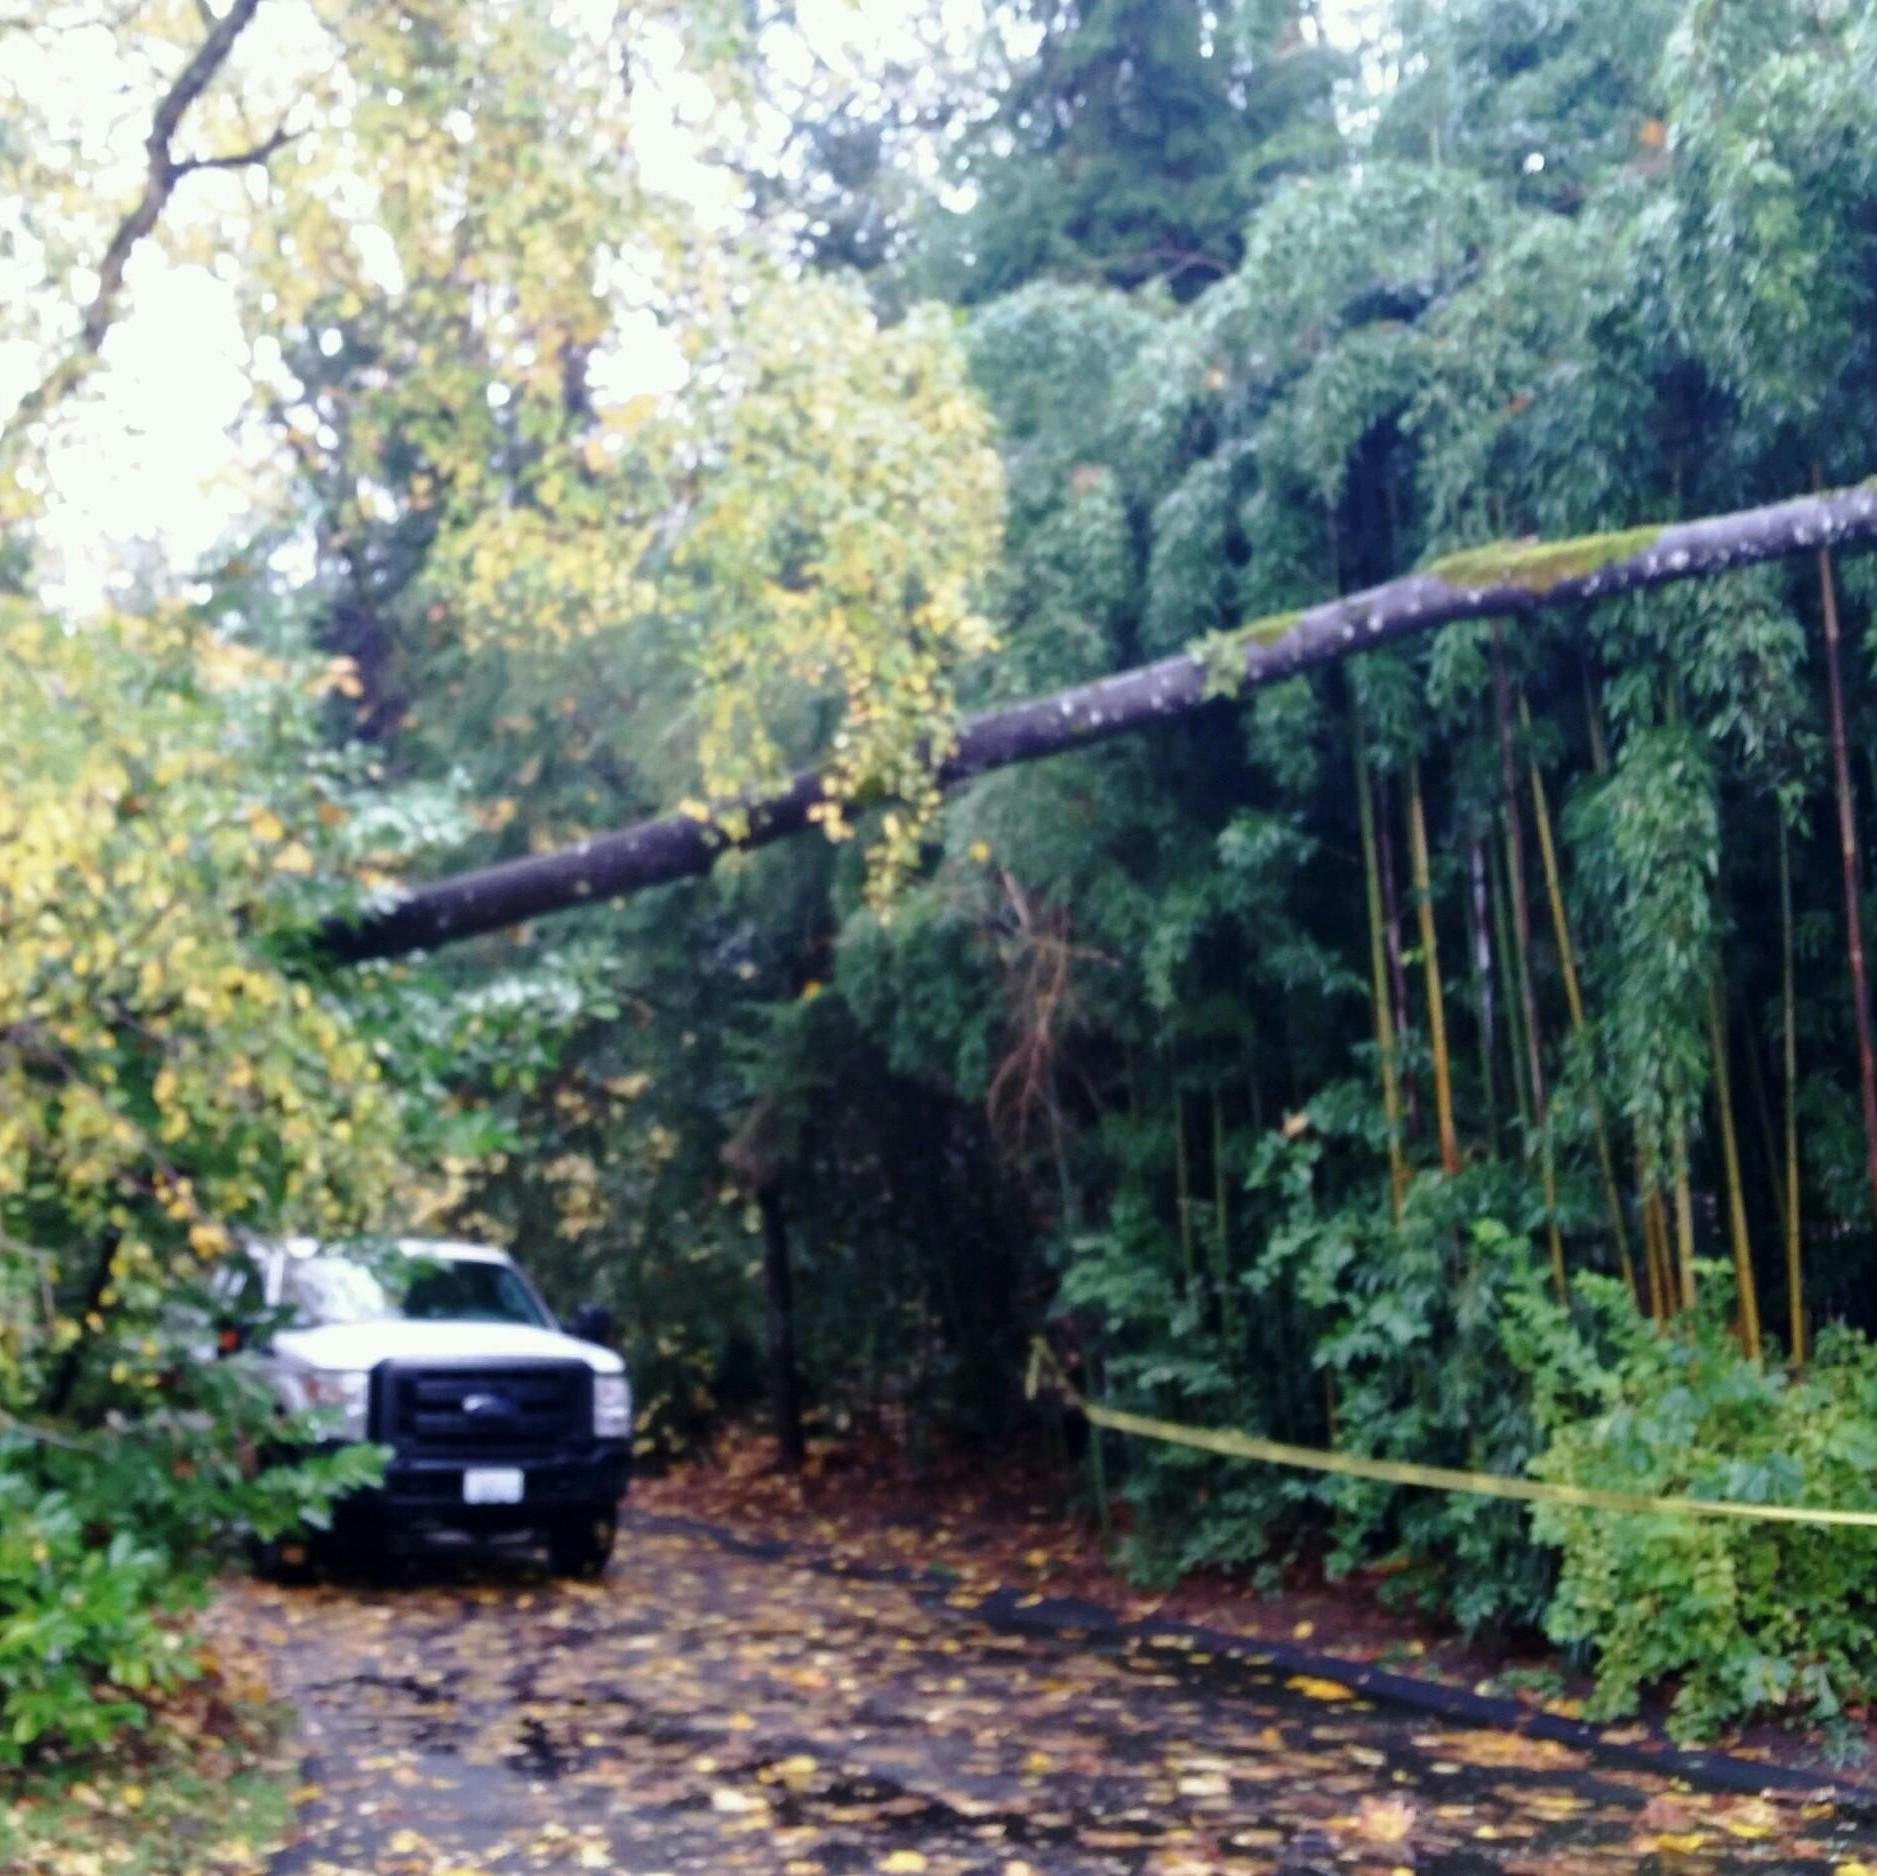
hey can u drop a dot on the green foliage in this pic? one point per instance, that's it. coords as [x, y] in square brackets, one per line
[1384, 1301]
[1739, 1618]
[1129, 147]
[165, 811]
[94, 1606]
[1405, 1328]
[1649, 841]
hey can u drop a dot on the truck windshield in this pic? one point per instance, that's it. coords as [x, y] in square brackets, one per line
[417, 1289]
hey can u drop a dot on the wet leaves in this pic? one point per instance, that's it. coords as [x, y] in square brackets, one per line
[716, 1708]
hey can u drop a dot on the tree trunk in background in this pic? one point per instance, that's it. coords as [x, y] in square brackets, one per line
[1430, 951]
[1378, 983]
[1848, 852]
[785, 1389]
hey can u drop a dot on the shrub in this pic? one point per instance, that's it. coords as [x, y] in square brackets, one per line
[1403, 1321]
[1741, 1617]
[109, 1538]
[166, 1077]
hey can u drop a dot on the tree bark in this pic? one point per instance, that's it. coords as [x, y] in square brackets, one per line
[785, 1388]
[1531, 580]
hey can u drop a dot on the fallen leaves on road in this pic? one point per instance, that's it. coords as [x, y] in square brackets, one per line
[204, 1790]
[724, 1707]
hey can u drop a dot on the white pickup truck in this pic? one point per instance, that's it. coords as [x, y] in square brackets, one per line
[495, 1417]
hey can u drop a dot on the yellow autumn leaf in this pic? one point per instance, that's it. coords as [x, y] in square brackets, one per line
[904, 1862]
[1386, 1820]
[1313, 1688]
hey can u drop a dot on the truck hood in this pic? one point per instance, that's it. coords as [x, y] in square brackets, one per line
[365, 1344]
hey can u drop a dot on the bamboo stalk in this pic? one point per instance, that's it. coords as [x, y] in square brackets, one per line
[1574, 998]
[1593, 722]
[1665, 1259]
[1522, 948]
[1397, 964]
[1378, 985]
[1221, 1216]
[1684, 1197]
[1654, 1234]
[1795, 1288]
[1515, 872]
[1479, 924]
[1502, 942]
[1763, 1122]
[1182, 1190]
[1548, 1178]
[1748, 1294]
[1430, 949]
[1848, 855]
[1221, 1227]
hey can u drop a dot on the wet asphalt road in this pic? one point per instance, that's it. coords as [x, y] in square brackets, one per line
[708, 1707]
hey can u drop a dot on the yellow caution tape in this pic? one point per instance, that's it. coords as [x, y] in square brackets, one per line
[1234, 1445]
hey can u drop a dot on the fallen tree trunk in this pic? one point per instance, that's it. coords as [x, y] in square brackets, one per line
[1505, 581]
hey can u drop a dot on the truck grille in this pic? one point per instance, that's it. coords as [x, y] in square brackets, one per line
[487, 1409]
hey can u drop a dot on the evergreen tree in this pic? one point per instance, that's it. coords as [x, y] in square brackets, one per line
[1133, 142]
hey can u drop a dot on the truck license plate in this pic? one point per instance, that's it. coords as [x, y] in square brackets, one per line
[492, 1485]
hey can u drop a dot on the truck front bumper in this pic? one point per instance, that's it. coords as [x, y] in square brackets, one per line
[429, 1490]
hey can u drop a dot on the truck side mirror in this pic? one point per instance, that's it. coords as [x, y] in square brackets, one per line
[593, 1322]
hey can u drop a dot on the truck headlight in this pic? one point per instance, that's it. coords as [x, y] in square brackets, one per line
[344, 1394]
[612, 1407]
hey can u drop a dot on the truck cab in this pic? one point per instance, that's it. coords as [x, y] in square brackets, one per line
[496, 1418]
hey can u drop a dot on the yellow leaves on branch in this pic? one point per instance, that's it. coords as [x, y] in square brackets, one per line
[835, 556]
[160, 1077]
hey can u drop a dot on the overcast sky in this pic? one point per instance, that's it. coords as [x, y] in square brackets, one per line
[157, 465]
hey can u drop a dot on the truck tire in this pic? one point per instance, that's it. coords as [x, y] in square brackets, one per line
[580, 1543]
[287, 1561]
